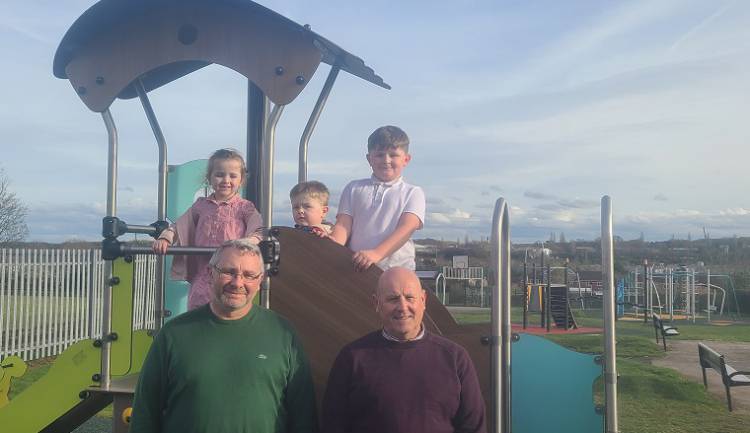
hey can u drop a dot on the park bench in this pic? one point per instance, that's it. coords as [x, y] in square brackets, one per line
[664, 330]
[710, 358]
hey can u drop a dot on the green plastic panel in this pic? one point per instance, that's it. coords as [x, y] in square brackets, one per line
[184, 184]
[53, 394]
[122, 317]
[56, 392]
[552, 388]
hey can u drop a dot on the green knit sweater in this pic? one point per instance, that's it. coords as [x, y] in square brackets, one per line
[204, 374]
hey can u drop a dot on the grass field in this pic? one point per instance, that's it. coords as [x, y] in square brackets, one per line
[652, 399]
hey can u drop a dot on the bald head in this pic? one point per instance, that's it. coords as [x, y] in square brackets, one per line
[395, 277]
[400, 303]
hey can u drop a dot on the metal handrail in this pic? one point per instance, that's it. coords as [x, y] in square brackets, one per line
[313, 120]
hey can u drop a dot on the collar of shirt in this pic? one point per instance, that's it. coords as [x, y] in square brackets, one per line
[390, 337]
[231, 200]
[377, 181]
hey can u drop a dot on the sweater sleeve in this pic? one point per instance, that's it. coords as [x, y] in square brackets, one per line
[470, 417]
[299, 398]
[253, 224]
[181, 233]
[150, 393]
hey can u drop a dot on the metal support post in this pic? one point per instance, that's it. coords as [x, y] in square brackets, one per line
[610, 349]
[645, 291]
[111, 212]
[267, 171]
[314, 116]
[161, 199]
[257, 113]
[501, 330]
[548, 299]
[526, 293]
[708, 295]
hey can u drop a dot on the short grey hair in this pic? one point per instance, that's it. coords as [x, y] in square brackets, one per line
[245, 245]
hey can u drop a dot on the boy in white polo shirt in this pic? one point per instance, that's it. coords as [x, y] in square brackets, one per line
[377, 215]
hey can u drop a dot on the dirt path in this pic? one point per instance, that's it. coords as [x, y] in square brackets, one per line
[683, 357]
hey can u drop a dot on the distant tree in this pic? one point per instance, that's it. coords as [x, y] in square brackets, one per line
[12, 213]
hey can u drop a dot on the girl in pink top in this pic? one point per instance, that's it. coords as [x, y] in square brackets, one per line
[211, 220]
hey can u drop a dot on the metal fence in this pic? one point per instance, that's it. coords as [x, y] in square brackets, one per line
[52, 298]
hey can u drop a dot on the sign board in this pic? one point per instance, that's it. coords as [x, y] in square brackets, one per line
[460, 261]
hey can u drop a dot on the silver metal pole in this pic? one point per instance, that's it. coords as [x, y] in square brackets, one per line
[610, 350]
[693, 290]
[161, 198]
[670, 290]
[708, 294]
[267, 180]
[111, 212]
[501, 331]
[314, 116]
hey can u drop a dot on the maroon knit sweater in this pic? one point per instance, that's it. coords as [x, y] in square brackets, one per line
[423, 386]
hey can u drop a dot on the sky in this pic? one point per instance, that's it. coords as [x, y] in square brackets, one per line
[548, 104]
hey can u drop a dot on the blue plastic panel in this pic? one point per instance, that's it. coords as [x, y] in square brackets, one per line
[553, 388]
[185, 183]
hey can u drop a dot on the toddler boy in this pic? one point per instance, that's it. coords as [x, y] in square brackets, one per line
[310, 207]
[377, 215]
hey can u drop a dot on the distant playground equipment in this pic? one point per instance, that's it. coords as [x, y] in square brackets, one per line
[109, 53]
[471, 279]
[547, 292]
[678, 292]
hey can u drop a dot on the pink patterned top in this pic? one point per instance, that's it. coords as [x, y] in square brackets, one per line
[208, 223]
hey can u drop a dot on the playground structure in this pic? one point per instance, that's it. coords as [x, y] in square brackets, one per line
[108, 54]
[547, 290]
[679, 292]
[469, 277]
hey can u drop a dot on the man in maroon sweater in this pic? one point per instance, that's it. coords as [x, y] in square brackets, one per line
[402, 379]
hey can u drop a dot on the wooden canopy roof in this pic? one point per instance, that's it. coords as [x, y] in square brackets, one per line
[115, 42]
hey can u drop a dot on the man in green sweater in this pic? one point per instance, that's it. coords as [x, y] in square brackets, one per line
[229, 366]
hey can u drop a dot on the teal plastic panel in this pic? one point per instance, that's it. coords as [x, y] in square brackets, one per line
[553, 388]
[185, 183]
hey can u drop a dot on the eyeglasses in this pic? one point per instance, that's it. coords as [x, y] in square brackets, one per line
[230, 274]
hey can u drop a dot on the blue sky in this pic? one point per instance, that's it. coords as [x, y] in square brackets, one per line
[549, 104]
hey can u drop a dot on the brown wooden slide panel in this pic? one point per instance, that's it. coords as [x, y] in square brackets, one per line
[330, 304]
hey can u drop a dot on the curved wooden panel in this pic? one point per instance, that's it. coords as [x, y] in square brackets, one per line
[329, 303]
[248, 38]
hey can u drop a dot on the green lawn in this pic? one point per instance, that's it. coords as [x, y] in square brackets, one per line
[651, 399]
